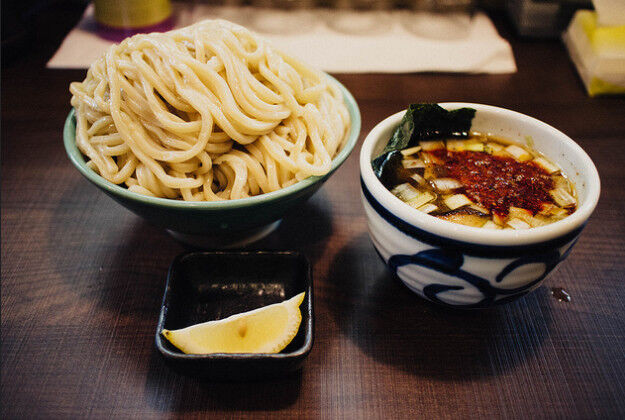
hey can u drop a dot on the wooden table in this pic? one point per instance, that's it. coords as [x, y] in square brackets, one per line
[83, 279]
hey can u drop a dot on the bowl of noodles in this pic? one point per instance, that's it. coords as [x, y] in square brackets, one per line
[208, 131]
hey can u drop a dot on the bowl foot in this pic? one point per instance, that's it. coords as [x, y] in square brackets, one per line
[225, 240]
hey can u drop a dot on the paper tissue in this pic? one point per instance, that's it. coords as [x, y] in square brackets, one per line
[596, 44]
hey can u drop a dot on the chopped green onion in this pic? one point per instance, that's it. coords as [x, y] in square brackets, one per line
[491, 148]
[549, 167]
[517, 224]
[420, 180]
[498, 219]
[456, 145]
[421, 199]
[491, 225]
[464, 218]
[431, 145]
[430, 159]
[560, 182]
[413, 163]
[521, 214]
[446, 184]
[411, 151]
[559, 213]
[538, 221]
[546, 208]
[519, 153]
[474, 146]
[405, 192]
[456, 201]
[479, 208]
[428, 208]
[562, 197]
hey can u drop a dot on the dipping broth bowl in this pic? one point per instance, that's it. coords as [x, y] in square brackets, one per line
[469, 267]
[216, 224]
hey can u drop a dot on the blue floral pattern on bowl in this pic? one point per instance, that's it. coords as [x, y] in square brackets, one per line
[450, 262]
[459, 274]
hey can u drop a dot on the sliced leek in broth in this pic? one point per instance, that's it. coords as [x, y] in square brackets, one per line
[483, 181]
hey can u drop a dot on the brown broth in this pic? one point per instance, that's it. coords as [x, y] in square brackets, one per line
[484, 181]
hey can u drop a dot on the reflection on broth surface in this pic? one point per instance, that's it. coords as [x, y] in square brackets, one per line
[482, 181]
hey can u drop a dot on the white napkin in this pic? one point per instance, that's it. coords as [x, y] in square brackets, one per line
[339, 41]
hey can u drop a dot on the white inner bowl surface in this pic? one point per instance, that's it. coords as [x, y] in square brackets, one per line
[508, 125]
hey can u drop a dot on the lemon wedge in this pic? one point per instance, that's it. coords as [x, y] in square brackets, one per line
[264, 330]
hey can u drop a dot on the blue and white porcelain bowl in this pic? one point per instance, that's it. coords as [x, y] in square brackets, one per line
[464, 266]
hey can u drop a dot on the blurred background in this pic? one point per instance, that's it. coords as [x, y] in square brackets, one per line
[22, 29]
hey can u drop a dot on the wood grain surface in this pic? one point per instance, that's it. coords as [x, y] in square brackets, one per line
[82, 279]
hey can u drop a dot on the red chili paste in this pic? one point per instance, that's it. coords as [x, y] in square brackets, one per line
[497, 182]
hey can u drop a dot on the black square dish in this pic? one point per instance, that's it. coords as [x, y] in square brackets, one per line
[206, 286]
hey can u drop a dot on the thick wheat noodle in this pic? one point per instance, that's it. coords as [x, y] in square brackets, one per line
[205, 113]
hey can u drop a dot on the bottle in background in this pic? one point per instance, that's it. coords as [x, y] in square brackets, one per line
[118, 19]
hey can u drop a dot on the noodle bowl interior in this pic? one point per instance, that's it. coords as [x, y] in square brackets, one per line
[205, 113]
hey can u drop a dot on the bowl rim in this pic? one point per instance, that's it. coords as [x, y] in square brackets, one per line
[474, 235]
[77, 159]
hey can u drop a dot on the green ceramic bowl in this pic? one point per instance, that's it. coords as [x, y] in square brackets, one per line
[215, 224]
